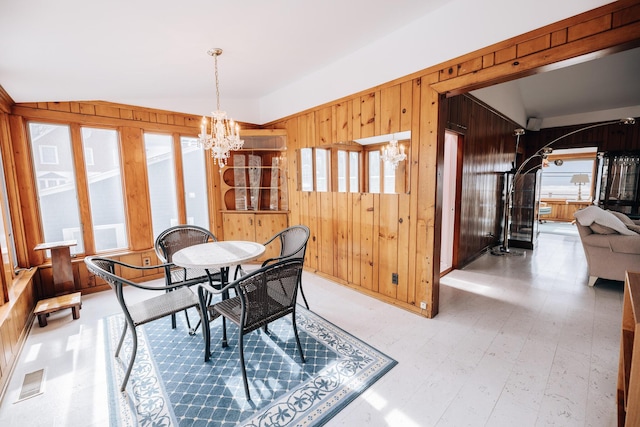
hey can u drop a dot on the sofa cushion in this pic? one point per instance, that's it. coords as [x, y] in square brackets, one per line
[591, 214]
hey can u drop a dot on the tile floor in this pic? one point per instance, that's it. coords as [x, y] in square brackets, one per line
[519, 340]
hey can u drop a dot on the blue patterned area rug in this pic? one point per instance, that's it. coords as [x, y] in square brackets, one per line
[171, 385]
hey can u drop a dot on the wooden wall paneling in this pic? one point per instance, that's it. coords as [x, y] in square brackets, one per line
[414, 169]
[343, 123]
[356, 117]
[375, 239]
[367, 116]
[388, 244]
[341, 221]
[293, 146]
[390, 106]
[355, 224]
[366, 241]
[314, 224]
[32, 232]
[215, 197]
[404, 292]
[134, 176]
[326, 232]
[427, 291]
[406, 105]
[82, 193]
[324, 127]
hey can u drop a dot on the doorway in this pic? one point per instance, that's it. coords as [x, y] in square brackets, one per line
[449, 201]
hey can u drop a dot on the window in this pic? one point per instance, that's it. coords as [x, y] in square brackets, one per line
[104, 180]
[354, 171]
[374, 171]
[57, 194]
[306, 169]
[348, 171]
[355, 166]
[195, 182]
[342, 171]
[322, 169]
[162, 181]
[557, 179]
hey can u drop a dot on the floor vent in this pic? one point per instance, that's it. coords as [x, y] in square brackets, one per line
[32, 385]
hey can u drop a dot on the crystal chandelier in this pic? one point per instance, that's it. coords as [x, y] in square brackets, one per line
[393, 154]
[219, 134]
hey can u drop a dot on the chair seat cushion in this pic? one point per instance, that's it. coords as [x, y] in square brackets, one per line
[162, 305]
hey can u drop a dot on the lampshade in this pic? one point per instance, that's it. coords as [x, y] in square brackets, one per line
[580, 178]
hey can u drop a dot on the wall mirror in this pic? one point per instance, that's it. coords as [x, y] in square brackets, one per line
[378, 164]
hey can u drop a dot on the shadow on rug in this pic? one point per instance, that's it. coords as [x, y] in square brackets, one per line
[171, 385]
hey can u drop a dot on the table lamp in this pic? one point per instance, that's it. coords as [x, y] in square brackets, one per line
[579, 179]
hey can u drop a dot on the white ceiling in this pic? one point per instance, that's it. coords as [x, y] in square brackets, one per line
[280, 57]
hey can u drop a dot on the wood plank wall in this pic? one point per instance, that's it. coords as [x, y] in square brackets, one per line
[614, 137]
[488, 151]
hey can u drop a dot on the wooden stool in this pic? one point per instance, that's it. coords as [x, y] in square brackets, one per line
[50, 305]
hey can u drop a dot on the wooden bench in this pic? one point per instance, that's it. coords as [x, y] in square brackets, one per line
[50, 305]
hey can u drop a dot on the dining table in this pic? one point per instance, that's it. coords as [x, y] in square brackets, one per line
[220, 255]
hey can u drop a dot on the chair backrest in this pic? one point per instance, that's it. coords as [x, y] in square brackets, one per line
[105, 268]
[175, 238]
[293, 241]
[269, 292]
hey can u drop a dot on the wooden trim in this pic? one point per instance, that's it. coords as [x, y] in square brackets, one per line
[6, 102]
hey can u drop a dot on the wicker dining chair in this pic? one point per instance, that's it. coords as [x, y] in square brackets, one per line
[170, 299]
[293, 244]
[262, 296]
[171, 241]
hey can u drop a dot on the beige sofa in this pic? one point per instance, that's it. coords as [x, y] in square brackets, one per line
[609, 252]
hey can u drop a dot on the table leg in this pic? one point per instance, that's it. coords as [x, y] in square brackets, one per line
[224, 278]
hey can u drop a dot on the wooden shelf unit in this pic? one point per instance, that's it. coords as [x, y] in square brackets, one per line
[255, 178]
[629, 366]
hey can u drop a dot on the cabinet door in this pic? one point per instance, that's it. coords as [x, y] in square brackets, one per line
[266, 226]
[238, 226]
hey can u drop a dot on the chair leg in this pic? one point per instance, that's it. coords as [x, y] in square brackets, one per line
[295, 332]
[173, 321]
[244, 369]
[302, 293]
[124, 332]
[134, 350]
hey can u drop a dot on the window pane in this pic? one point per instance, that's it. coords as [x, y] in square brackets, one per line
[556, 179]
[306, 163]
[56, 178]
[354, 172]
[389, 178]
[162, 181]
[195, 182]
[105, 188]
[342, 171]
[322, 182]
[6, 227]
[374, 171]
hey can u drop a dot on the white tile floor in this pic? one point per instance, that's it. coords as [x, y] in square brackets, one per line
[518, 341]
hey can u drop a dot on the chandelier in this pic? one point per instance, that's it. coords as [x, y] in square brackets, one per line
[219, 134]
[393, 154]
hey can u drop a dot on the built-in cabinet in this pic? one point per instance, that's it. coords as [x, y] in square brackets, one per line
[255, 178]
[256, 227]
[618, 182]
[254, 189]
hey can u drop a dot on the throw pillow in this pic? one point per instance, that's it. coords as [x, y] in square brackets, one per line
[602, 229]
[634, 227]
[594, 214]
[622, 217]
